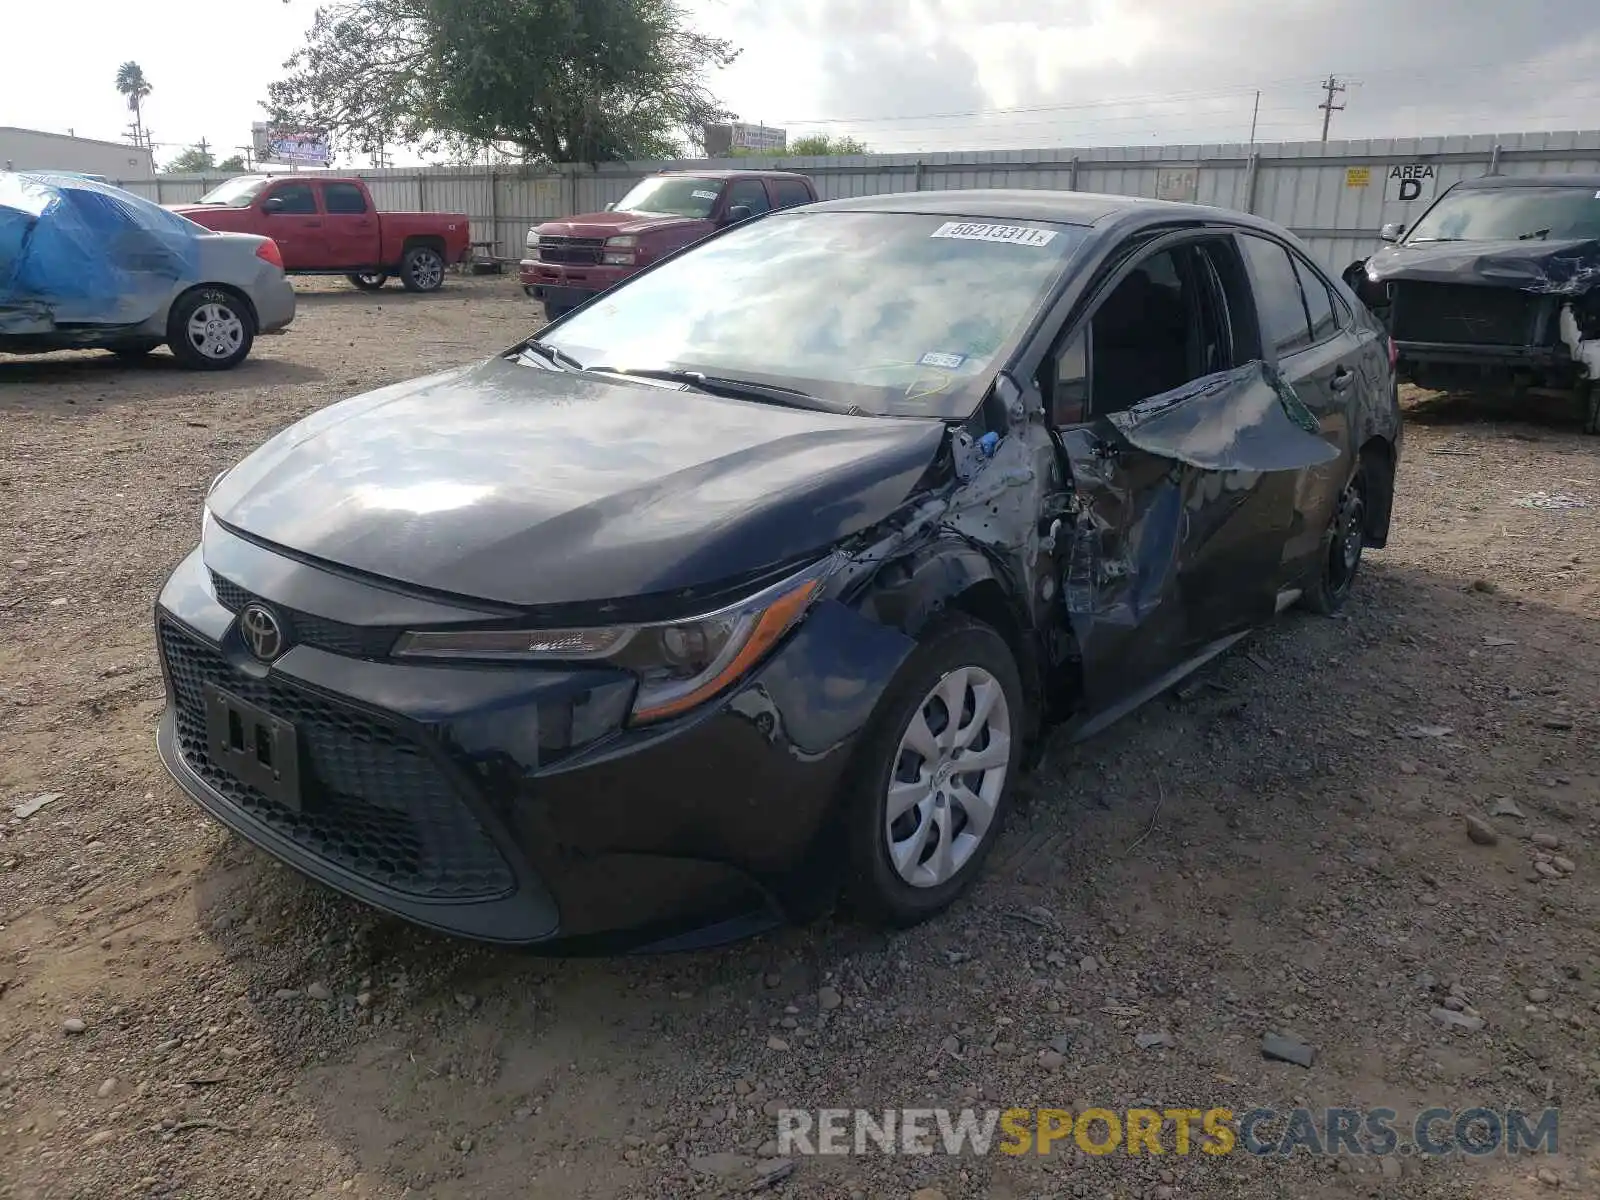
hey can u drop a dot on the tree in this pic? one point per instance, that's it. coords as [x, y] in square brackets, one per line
[234, 164]
[539, 80]
[821, 145]
[192, 161]
[134, 88]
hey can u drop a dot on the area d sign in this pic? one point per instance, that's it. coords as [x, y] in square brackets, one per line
[1411, 181]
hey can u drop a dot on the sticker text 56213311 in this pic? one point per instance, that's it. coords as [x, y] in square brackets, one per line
[1016, 235]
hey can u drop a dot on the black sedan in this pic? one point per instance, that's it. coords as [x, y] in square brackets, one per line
[766, 571]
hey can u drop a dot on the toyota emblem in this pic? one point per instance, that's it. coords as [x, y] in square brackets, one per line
[261, 632]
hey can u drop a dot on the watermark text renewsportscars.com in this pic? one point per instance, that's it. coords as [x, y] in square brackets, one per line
[1181, 1131]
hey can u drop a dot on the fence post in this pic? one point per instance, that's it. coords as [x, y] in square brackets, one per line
[422, 192]
[494, 213]
[1072, 176]
[158, 189]
[918, 186]
[572, 192]
[1251, 170]
[1494, 160]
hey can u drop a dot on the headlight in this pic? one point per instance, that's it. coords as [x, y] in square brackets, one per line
[679, 664]
[622, 242]
[533, 240]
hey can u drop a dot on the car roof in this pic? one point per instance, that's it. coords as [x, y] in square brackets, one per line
[1511, 181]
[729, 174]
[1028, 204]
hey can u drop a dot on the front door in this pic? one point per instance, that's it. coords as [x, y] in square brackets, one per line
[1184, 450]
[350, 228]
[291, 218]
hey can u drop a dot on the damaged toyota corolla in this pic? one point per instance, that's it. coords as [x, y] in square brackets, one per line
[764, 572]
[1500, 276]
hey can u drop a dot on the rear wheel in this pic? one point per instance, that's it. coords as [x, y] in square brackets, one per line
[422, 270]
[1341, 549]
[931, 789]
[369, 282]
[210, 330]
[1591, 414]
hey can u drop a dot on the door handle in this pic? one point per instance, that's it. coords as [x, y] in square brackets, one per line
[1342, 379]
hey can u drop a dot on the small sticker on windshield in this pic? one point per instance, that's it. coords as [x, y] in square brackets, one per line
[942, 359]
[702, 194]
[1017, 235]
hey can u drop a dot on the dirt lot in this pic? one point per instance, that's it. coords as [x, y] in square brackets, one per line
[1281, 847]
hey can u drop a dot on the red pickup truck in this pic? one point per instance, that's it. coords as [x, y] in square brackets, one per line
[570, 260]
[329, 226]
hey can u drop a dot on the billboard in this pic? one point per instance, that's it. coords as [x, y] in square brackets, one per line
[291, 145]
[757, 137]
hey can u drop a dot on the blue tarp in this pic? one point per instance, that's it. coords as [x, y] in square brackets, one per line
[73, 251]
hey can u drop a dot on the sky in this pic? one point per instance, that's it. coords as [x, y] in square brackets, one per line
[910, 75]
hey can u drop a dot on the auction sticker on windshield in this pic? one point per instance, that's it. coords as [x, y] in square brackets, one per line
[942, 358]
[1016, 235]
[702, 194]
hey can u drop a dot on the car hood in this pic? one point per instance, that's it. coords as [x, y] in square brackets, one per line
[1569, 266]
[613, 224]
[529, 487]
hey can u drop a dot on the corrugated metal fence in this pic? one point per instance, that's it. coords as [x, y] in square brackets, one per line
[1332, 195]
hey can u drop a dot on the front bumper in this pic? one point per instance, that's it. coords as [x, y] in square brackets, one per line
[569, 284]
[513, 804]
[1542, 357]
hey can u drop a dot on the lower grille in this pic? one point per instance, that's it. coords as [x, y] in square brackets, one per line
[582, 251]
[374, 802]
[336, 637]
[1464, 315]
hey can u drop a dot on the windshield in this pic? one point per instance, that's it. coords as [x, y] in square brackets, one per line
[1506, 214]
[897, 314]
[672, 196]
[236, 193]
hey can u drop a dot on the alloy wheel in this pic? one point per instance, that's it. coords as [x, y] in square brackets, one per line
[1344, 551]
[427, 270]
[949, 772]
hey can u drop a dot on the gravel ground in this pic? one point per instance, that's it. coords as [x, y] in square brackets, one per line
[1281, 847]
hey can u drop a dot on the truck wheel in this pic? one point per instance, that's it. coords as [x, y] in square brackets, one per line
[368, 283]
[1591, 416]
[422, 269]
[210, 329]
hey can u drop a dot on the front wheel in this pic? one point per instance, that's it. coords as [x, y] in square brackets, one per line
[368, 283]
[1341, 549]
[210, 330]
[422, 269]
[934, 779]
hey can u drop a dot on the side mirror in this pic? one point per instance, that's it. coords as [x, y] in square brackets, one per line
[739, 212]
[1392, 232]
[272, 204]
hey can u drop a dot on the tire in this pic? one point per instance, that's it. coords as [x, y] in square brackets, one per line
[555, 311]
[422, 269]
[529, 292]
[899, 872]
[1591, 413]
[1342, 544]
[134, 351]
[210, 329]
[369, 282]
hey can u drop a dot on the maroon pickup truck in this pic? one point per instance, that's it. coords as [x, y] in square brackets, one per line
[330, 226]
[570, 260]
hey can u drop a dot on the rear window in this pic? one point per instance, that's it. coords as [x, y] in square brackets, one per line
[343, 198]
[1511, 214]
[790, 192]
[1279, 307]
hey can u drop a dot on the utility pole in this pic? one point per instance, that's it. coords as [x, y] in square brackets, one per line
[205, 146]
[249, 157]
[1333, 87]
[1254, 113]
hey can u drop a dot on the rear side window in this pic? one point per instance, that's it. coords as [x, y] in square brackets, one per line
[751, 193]
[1319, 301]
[343, 198]
[296, 197]
[1284, 324]
[790, 192]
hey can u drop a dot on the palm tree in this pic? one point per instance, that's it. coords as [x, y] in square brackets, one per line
[132, 84]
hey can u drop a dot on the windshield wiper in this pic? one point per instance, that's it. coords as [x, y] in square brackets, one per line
[1416, 241]
[548, 352]
[733, 389]
[1537, 233]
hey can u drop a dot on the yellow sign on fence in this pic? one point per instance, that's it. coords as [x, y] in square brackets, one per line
[1357, 176]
